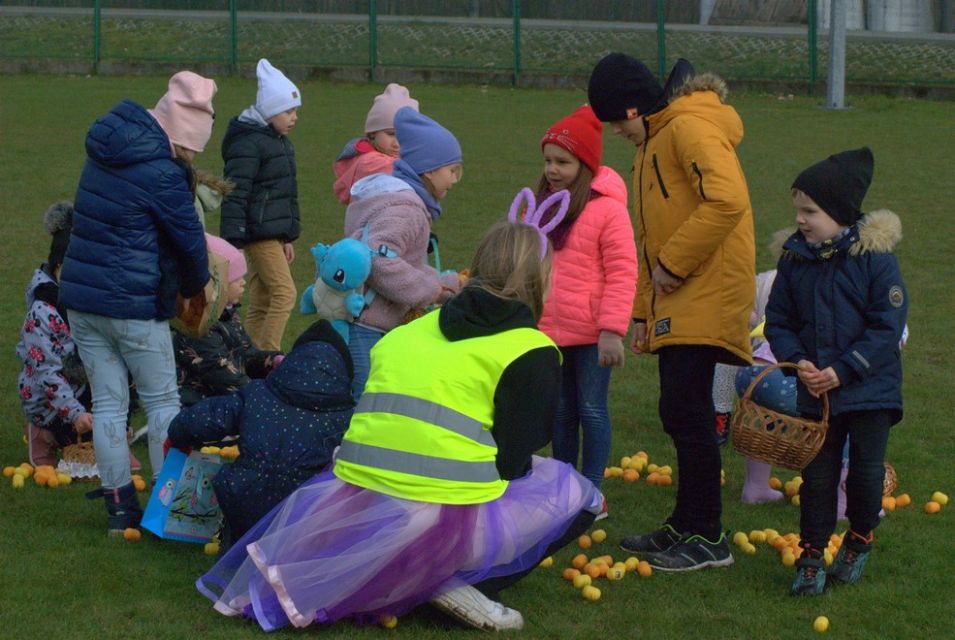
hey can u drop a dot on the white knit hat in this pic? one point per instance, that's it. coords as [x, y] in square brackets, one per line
[276, 92]
[382, 113]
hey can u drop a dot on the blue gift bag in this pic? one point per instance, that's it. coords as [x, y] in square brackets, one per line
[183, 505]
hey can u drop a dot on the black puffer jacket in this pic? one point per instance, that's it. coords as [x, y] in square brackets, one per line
[261, 164]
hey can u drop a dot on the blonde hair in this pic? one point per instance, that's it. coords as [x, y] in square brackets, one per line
[507, 264]
[459, 170]
[184, 157]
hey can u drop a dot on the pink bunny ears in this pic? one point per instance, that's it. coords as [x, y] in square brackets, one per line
[534, 213]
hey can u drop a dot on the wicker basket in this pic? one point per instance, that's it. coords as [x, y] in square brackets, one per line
[79, 461]
[891, 482]
[773, 437]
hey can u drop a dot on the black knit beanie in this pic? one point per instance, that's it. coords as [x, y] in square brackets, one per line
[323, 331]
[620, 83]
[838, 184]
[58, 221]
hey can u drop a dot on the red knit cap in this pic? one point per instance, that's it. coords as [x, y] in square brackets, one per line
[581, 134]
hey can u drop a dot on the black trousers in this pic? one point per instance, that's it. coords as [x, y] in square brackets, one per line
[868, 433]
[686, 410]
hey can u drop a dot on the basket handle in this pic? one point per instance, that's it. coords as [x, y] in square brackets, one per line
[780, 365]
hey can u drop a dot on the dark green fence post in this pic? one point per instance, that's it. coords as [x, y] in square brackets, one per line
[372, 39]
[661, 41]
[812, 20]
[233, 35]
[516, 11]
[97, 36]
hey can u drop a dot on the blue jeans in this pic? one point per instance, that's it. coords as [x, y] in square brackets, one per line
[583, 401]
[112, 349]
[868, 435]
[360, 341]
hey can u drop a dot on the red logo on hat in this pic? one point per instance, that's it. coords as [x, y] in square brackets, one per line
[631, 113]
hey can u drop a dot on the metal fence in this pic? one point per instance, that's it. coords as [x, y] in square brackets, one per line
[483, 40]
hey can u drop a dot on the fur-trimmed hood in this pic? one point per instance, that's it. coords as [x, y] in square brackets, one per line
[702, 82]
[211, 190]
[701, 96]
[878, 231]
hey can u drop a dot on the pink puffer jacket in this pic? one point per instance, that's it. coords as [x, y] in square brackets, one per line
[594, 275]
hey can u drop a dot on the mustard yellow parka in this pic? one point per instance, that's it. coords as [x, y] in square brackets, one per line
[694, 218]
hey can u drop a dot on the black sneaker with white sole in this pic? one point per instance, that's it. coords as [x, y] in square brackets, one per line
[693, 552]
[653, 542]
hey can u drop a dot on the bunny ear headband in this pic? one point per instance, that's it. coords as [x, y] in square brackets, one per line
[534, 213]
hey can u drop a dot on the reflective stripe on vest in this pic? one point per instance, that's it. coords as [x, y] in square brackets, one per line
[426, 411]
[417, 464]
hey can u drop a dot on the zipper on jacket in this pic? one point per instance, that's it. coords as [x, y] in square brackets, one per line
[699, 174]
[643, 239]
[663, 187]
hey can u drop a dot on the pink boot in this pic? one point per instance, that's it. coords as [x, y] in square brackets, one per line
[756, 489]
[41, 446]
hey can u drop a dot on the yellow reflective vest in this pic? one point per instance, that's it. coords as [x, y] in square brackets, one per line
[422, 430]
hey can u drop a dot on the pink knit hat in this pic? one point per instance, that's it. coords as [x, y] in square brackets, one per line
[236, 258]
[382, 113]
[185, 112]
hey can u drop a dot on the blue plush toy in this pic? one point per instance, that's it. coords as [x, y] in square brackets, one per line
[337, 294]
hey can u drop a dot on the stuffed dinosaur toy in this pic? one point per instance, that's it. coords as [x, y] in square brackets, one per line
[342, 269]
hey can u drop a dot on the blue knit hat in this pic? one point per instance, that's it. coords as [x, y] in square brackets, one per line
[425, 144]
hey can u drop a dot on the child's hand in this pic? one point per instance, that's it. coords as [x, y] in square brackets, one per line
[289, 251]
[663, 282]
[638, 343]
[817, 382]
[609, 350]
[444, 294]
[83, 423]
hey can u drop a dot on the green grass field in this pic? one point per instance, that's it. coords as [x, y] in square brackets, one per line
[63, 578]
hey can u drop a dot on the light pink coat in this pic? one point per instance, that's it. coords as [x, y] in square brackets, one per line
[594, 275]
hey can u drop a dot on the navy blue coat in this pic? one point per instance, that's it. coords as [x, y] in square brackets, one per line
[288, 426]
[136, 238]
[846, 311]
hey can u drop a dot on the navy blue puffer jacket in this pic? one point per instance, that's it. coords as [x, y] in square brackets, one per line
[847, 311]
[288, 426]
[136, 238]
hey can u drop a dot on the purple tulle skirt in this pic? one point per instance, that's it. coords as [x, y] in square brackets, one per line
[332, 550]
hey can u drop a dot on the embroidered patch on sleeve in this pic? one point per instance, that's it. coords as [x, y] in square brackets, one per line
[662, 327]
[896, 296]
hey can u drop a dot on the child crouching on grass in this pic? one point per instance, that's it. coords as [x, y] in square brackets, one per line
[837, 309]
[225, 359]
[288, 426]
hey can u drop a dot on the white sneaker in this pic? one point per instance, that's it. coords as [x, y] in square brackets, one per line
[473, 608]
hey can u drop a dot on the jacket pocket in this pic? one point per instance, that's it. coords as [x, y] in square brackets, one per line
[656, 170]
